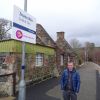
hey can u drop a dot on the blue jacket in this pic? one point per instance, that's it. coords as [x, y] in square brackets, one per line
[75, 80]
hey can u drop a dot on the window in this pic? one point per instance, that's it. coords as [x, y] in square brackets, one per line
[39, 59]
[62, 60]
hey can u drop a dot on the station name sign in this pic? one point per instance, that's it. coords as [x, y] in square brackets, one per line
[24, 26]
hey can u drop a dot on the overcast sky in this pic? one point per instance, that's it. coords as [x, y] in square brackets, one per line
[79, 19]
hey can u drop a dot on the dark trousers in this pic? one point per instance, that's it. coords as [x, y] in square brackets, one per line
[69, 95]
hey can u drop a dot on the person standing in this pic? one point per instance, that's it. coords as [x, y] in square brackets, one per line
[70, 82]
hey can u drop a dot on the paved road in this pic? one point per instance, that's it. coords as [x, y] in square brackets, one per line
[50, 89]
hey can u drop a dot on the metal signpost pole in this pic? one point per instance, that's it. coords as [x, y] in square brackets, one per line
[22, 85]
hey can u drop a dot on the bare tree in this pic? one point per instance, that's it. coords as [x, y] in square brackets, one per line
[5, 26]
[75, 44]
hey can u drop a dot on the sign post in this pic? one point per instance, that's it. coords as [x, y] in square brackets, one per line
[24, 29]
[22, 85]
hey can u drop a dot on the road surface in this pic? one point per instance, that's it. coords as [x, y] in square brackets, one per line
[50, 89]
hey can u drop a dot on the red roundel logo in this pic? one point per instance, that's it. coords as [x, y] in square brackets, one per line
[19, 34]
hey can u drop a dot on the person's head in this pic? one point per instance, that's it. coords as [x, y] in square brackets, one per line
[70, 66]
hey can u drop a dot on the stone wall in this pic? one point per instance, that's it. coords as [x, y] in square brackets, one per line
[7, 66]
[63, 48]
[11, 62]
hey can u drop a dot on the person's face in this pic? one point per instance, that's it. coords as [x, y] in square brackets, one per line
[70, 66]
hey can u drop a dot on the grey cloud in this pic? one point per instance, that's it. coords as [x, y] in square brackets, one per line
[82, 40]
[88, 31]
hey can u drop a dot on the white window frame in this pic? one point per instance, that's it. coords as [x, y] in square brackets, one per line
[39, 60]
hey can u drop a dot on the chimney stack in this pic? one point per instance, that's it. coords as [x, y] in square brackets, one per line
[60, 35]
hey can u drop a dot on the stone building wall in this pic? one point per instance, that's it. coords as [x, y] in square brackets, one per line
[63, 48]
[43, 37]
[12, 63]
[11, 57]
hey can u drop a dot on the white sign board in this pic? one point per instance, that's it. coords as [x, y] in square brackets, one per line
[24, 26]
